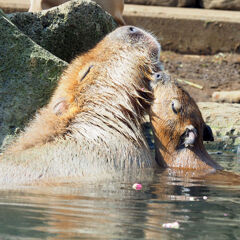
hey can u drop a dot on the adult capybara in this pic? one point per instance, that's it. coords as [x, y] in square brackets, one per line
[179, 129]
[114, 7]
[92, 124]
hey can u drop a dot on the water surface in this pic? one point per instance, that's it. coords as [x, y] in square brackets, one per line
[113, 210]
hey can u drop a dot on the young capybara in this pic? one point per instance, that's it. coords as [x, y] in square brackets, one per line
[114, 7]
[179, 129]
[92, 124]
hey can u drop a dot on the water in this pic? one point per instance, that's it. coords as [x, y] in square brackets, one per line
[113, 210]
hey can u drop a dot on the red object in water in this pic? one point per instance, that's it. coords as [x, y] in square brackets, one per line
[137, 186]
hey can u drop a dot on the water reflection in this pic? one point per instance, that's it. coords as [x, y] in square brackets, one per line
[113, 210]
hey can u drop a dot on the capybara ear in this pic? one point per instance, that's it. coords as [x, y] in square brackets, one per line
[60, 106]
[207, 133]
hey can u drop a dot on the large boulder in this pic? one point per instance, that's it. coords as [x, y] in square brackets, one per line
[67, 30]
[166, 3]
[221, 4]
[28, 76]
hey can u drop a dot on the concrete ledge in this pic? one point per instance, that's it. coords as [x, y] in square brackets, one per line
[14, 5]
[188, 30]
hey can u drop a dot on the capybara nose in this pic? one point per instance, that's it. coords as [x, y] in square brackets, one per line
[159, 77]
[189, 136]
[135, 32]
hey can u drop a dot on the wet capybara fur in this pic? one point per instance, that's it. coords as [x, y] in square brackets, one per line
[179, 129]
[92, 124]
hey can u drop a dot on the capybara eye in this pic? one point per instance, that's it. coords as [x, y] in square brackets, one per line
[176, 106]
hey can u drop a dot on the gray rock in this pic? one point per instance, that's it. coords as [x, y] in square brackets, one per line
[66, 30]
[237, 143]
[224, 119]
[165, 3]
[28, 76]
[221, 4]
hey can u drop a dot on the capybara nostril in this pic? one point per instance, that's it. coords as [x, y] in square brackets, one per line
[159, 77]
[132, 29]
[189, 136]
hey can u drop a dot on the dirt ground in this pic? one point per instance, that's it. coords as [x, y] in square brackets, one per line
[219, 72]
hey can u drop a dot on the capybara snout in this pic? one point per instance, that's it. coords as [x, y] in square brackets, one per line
[138, 37]
[159, 76]
[188, 138]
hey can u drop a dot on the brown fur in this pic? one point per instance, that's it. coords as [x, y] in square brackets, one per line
[93, 121]
[174, 112]
[114, 7]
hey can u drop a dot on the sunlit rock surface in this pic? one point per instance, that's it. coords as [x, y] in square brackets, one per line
[28, 76]
[224, 119]
[66, 30]
[220, 4]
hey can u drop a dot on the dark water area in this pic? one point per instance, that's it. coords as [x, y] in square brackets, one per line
[114, 210]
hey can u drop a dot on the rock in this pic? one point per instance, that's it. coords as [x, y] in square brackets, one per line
[66, 30]
[226, 96]
[237, 142]
[28, 76]
[223, 118]
[221, 4]
[166, 3]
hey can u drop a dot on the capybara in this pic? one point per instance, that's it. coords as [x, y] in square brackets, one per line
[92, 124]
[179, 129]
[114, 7]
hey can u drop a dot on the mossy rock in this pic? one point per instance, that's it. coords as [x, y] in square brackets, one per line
[67, 30]
[28, 76]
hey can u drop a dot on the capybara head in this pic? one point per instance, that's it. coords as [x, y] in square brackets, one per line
[179, 128]
[140, 40]
[125, 60]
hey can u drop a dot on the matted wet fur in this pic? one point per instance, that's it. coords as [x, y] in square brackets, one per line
[92, 124]
[179, 129]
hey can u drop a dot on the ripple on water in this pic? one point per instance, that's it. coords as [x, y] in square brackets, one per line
[113, 210]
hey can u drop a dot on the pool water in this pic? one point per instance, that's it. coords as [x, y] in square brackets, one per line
[113, 210]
